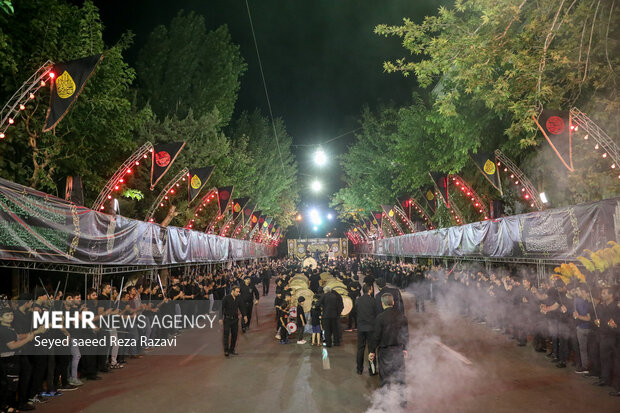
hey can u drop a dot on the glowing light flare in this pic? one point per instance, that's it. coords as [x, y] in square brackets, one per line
[31, 96]
[22, 106]
[52, 75]
[11, 121]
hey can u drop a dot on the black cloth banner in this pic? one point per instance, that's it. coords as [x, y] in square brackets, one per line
[377, 219]
[430, 198]
[68, 82]
[488, 168]
[224, 195]
[556, 127]
[237, 207]
[441, 182]
[255, 218]
[164, 155]
[247, 213]
[73, 190]
[37, 227]
[553, 234]
[198, 178]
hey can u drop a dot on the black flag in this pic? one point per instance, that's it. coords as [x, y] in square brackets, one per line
[431, 200]
[556, 127]
[254, 219]
[67, 84]
[197, 180]
[237, 207]
[247, 213]
[164, 155]
[377, 219]
[73, 190]
[441, 181]
[487, 166]
[224, 197]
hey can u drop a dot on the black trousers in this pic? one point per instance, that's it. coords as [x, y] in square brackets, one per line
[231, 328]
[363, 338]
[250, 308]
[330, 326]
[391, 365]
[266, 286]
[607, 345]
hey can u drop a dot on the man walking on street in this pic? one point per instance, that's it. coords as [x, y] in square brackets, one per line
[231, 307]
[366, 315]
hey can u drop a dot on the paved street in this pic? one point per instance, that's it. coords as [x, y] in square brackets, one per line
[269, 377]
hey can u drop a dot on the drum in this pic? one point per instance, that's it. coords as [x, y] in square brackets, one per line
[291, 327]
[308, 295]
[309, 262]
[293, 312]
[348, 305]
[341, 290]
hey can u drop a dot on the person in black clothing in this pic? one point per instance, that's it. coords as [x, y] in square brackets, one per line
[354, 292]
[366, 313]
[398, 299]
[231, 307]
[389, 343]
[332, 305]
[249, 295]
[607, 325]
[266, 279]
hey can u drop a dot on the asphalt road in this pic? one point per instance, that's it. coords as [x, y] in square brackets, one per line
[454, 365]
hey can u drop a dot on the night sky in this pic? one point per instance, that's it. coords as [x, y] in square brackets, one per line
[321, 59]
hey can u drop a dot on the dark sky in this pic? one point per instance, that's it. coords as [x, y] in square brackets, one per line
[321, 59]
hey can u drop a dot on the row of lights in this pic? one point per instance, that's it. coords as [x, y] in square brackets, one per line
[421, 212]
[22, 106]
[472, 196]
[526, 195]
[171, 192]
[206, 200]
[393, 224]
[585, 138]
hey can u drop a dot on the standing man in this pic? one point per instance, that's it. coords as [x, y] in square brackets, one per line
[389, 342]
[249, 296]
[331, 303]
[394, 292]
[231, 307]
[366, 313]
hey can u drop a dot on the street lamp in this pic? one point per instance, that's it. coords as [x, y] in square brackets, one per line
[320, 158]
[316, 185]
[330, 216]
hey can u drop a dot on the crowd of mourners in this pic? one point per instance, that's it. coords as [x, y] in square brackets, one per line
[575, 323]
[31, 375]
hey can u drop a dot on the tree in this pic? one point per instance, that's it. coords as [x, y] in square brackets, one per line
[274, 182]
[517, 56]
[102, 117]
[183, 67]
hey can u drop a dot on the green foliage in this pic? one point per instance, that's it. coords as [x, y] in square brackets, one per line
[6, 6]
[183, 67]
[516, 57]
[101, 118]
[134, 194]
[273, 180]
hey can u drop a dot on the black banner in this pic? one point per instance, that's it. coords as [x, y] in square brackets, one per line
[377, 219]
[255, 218]
[247, 213]
[68, 82]
[224, 195]
[485, 162]
[556, 127]
[430, 198]
[198, 178]
[553, 234]
[73, 190]
[164, 155]
[237, 207]
[37, 227]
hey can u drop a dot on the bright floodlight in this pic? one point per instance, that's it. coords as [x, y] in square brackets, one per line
[543, 198]
[316, 186]
[330, 216]
[315, 228]
[320, 158]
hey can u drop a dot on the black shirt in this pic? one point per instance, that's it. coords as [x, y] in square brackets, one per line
[366, 313]
[7, 334]
[231, 307]
[391, 329]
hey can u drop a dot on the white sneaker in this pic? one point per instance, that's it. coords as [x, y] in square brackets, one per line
[301, 341]
[76, 382]
[278, 337]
